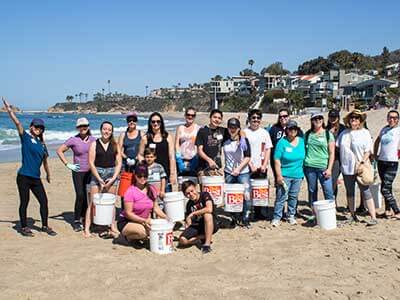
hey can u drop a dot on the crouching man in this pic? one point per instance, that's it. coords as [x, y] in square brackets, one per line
[201, 221]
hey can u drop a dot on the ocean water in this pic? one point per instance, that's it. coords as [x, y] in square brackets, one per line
[60, 127]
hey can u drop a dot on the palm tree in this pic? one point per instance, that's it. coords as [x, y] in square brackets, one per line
[76, 96]
[109, 86]
[86, 96]
[251, 63]
[80, 96]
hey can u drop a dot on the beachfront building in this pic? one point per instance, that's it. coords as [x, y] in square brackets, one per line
[392, 70]
[233, 85]
[367, 90]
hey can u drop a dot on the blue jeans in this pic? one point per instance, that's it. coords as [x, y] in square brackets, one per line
[243, 179]
[290, 195]
[313, 175]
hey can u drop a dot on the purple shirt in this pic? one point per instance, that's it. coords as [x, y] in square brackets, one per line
[80, 149]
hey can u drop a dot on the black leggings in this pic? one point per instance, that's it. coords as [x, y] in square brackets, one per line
[80, 180]
[26, 184]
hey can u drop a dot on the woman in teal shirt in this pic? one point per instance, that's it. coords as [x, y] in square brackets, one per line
[288, 159]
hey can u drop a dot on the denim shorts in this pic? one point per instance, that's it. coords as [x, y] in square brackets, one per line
[105, 174]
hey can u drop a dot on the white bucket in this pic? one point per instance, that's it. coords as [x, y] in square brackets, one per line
[161, 236]
[103, 208]
[215, 186]
[174, 203]
[376, 194]
[259, 192]
[233, 197]
[325, 211]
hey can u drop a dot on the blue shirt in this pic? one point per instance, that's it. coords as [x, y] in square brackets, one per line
[291, 157]
[33, 152]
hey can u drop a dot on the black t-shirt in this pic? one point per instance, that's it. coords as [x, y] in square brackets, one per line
[211, 140]
[192, 206]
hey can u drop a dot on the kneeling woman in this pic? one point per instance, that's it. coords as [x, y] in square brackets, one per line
[201, 221]
[139, 201]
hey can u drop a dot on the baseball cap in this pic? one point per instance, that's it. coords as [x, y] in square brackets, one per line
[82, 122]
[234, 122]
[131, 116]
[316, 114]
[334, 113]
[292, 124]
[38, 123]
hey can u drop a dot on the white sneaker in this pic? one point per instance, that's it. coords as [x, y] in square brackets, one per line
[292, 221]
[275, 223]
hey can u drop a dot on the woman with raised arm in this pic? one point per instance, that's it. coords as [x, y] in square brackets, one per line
[79, 144]
[105, 163]
[34, 154]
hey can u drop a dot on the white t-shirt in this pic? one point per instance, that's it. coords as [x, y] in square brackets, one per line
[352, 146]
[259, 141]
[390, 141]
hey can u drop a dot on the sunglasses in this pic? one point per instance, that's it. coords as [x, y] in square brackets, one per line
[283, 116]
[355, 117]
[191, 115]
[39, 127]
[319, 118]
[256, 118]
[155, 121]
[393, 118]
[82, 126]
[141, 176]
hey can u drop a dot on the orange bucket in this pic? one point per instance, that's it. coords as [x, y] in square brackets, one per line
[124, 182]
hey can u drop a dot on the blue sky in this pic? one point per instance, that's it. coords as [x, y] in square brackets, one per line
[50, 49]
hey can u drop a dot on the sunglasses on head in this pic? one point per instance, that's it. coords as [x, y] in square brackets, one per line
[191, 115]
[283, 116]
[155, 121]
[355, 117]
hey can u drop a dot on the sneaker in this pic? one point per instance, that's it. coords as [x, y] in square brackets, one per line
[372, 222]
[77, 226]
[275, 223]
[206, 249]
[352, 219]
[48, 230]
[292, 221]
[26, 231]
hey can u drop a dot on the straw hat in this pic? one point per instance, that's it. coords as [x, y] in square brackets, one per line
[357, 112]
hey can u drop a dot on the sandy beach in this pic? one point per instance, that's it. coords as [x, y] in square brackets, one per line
[289, 262]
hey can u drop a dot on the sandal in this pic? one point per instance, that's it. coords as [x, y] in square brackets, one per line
[26, 231]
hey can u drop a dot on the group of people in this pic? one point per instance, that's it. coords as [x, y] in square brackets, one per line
[142, 166]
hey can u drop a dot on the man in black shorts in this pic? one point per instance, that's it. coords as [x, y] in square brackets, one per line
[201, 221]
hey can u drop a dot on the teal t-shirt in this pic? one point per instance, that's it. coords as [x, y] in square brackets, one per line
[317, 154]
[291, 157]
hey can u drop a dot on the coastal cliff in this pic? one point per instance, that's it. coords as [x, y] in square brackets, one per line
[131, 104]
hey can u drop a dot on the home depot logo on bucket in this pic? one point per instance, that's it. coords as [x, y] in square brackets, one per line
[260, 196]
[234, 198]
[215, 191]
[169, 238]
